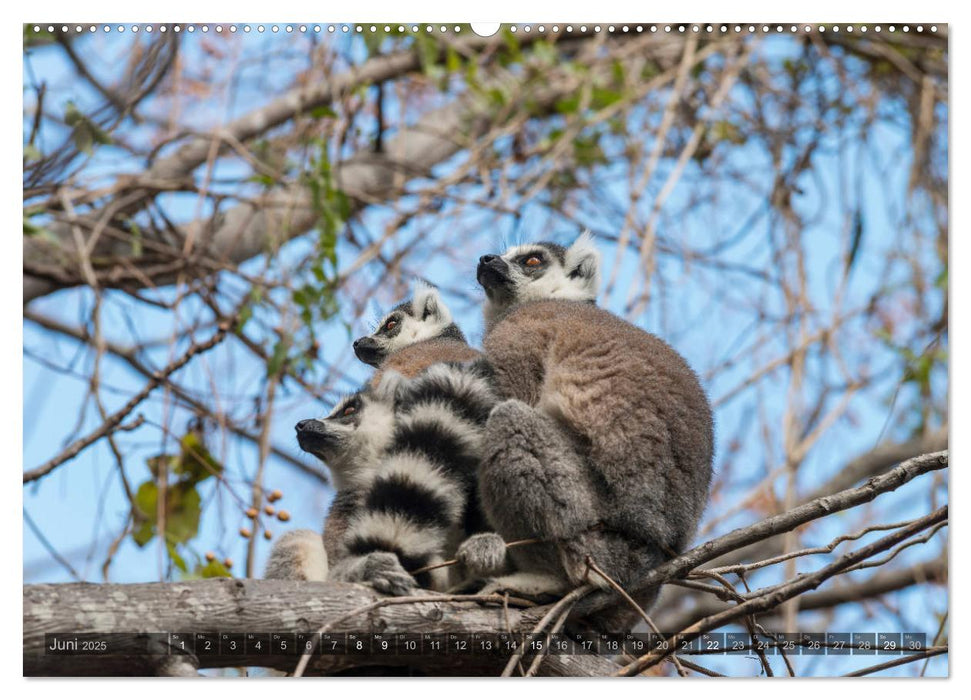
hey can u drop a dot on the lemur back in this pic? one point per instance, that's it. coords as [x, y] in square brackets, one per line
[604, 446]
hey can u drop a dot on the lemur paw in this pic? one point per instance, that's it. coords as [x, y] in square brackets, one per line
[385, 573]
[482, 555]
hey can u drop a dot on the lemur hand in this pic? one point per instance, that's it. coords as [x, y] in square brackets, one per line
[483, 555]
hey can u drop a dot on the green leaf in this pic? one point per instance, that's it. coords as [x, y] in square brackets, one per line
[144, 533]
[568, 105]
[196, 462]
[146, 500]
[726, 131]
[277, 358]
[323, 111]
[213, 569]
[263, 179]
[602, 97]
[84, 131]
[453, 62]
[176, 557]
[182, 513]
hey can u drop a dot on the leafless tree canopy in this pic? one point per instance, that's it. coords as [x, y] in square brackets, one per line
[211, 218]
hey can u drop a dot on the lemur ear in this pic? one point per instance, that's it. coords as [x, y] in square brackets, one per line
[583, 262]
[427, 303]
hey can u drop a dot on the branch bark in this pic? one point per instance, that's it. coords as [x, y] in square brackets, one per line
[254, 606]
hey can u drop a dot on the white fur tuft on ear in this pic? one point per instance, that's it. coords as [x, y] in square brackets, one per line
[427, 301]
[583, 263]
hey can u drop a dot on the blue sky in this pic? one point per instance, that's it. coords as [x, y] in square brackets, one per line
[80, 507]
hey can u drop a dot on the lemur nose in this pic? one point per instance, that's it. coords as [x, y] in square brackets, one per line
[486, 259]
[356, 343]
[303, 425]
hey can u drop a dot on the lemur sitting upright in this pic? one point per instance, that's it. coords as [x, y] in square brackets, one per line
[603, 447]
[350, 440]
[405, 454]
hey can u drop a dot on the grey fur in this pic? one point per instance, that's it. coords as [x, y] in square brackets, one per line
[483, 555]
[383, 570]
[298, 556]
[604, 446]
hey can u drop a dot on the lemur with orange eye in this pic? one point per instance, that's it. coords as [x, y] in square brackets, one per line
[602, 446]
[404, 453]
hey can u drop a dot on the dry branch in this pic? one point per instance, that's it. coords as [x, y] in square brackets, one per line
[242, 231]
[242, 606]
[114, 420]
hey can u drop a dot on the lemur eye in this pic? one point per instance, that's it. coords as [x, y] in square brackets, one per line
[390, 325]
[349, 411]
[533, 261]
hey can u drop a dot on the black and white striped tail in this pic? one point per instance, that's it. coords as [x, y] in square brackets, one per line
[423, 499]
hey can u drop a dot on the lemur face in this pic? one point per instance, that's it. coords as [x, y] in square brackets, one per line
[423, 317]
[539, 271]
[351, 436]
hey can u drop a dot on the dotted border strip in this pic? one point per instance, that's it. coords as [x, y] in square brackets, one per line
[525, 28]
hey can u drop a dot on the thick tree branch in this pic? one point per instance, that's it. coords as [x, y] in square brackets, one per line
[271, 606]
[252, 606]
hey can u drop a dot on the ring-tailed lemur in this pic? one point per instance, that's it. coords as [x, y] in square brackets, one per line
[604, 444]
[298, 555]
[415, 335]
[423, 317]
[405, 455]
[350, 440]
[411, 504]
